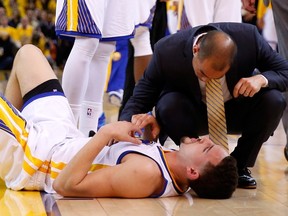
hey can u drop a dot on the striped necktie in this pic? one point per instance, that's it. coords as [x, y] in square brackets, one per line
[216, 113]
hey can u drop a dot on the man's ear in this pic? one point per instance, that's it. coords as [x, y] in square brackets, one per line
[195, 49]
[192, 173]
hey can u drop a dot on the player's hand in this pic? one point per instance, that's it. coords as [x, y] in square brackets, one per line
[121, 131]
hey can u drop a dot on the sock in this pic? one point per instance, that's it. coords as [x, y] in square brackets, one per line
[89, 114]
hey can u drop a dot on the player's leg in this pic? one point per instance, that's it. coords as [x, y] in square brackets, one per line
[30, 69]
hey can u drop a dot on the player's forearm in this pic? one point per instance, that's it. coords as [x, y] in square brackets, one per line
[77, 169]
[71, 180]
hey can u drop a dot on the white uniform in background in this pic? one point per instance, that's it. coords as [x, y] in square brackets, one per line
[106, 19]
[144, 13]
[202, 12]
[96, 26]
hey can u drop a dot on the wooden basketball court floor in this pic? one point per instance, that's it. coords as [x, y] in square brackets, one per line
[270, 197]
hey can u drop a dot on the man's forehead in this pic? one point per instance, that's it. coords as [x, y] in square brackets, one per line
[212, 74]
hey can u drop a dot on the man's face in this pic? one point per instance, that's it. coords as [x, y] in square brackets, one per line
[204, 69]
[201, 151]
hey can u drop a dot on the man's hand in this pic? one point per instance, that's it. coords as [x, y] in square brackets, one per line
[249, 86]
[120, 131]
[147, 121]
[249, 5]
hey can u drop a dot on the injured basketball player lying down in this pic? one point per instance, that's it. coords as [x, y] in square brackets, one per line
[42, 149]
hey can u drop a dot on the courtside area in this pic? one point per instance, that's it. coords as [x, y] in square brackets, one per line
[270, 197]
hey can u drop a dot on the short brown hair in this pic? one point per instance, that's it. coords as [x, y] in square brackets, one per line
[217, 182]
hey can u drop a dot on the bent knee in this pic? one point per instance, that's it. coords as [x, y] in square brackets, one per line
[26, 50]
[273, 100]
[277, 100]
[29, 48]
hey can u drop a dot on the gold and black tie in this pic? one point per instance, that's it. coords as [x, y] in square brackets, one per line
[216, 113]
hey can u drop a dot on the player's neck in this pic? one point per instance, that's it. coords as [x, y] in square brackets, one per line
[177, 168]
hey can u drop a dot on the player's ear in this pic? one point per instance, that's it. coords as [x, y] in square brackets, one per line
[192, 173]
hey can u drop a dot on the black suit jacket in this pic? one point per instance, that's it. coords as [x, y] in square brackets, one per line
[171, 66]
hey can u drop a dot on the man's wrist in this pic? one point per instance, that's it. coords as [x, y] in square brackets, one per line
[265, 81]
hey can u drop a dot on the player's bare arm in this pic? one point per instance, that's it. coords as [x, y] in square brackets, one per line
[77, 169]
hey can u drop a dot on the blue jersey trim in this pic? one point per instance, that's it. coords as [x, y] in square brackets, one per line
[73, 34]
[117, 38]
[4, 127]
[42, 95]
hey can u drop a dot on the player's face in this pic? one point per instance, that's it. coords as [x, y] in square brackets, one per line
[202, 150]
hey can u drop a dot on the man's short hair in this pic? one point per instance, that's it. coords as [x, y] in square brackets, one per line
[217, 182]
[218, 44]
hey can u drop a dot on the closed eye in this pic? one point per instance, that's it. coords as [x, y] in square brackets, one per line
[204, 75]
[207, 149]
